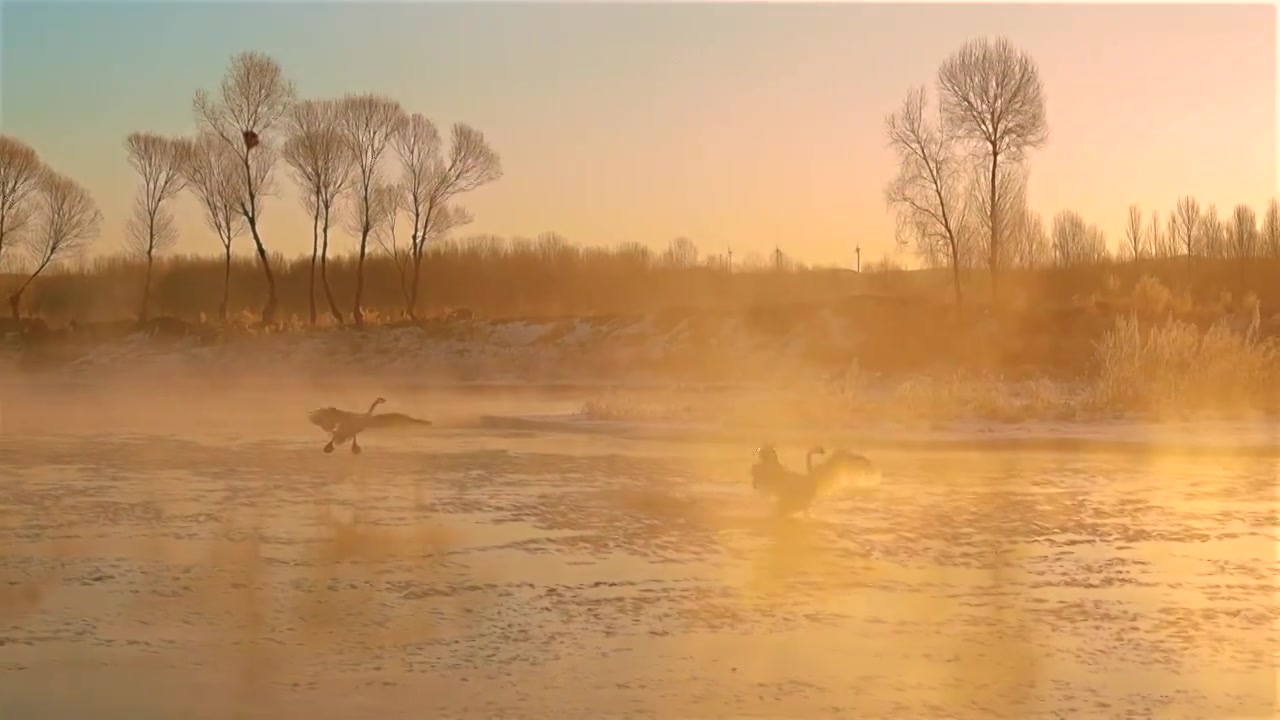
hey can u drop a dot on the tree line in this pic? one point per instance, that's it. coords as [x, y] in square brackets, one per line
[960, 193]
[361, 160]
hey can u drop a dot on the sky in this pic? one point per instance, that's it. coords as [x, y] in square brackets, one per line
[736, 125]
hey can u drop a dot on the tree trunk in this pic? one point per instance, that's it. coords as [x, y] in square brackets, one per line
[226, 285]
[955, 276]
[15, 300]
[324, 272]
[269, 308]
[993, 252]
[413, 288]
[357, 315]
[146, 289]
[315, 244]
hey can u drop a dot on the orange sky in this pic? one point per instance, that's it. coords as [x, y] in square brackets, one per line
[733, 124]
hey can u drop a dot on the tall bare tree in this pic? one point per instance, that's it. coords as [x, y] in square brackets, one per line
[368, 123]
[66, 220]
[252, 99]
[1134, 239]
[927, 192]
[418, 148]
[431, 184]
[151, 228]
[322, 161]
[992, 94]
[20, 174]
[1270, 232]
[212, 172]
[1185, 226]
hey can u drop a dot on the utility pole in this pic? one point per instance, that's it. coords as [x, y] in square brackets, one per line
[730, 259]
[777, 257]
[858, 251]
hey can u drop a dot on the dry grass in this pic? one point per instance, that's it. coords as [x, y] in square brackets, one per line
[1176, 368]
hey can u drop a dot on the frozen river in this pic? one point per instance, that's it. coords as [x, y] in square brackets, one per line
[502, 573]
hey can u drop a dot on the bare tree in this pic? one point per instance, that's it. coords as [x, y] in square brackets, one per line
[20, 175]
[151, 228]
[1133, 236]
[1243, 232]
[1076, 242]
[927, 192]
[1213, 241]
[1069, 230]
[368, 124]
[1242, 240]
[252, 99]
[1270, 233]
[67, 219]
[1014, 213]
[432, 183]
[212, 172]
[992, 94]
[1185, 226]
[322, 162]
[1157, 239]
[387, 202]
[681, 253]
[1029, 245]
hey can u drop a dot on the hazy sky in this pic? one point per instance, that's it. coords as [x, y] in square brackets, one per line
[732, 124]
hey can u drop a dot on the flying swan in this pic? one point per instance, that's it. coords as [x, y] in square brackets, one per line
[343, 425]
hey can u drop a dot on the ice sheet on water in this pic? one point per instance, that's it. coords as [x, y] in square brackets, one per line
[1260, 435]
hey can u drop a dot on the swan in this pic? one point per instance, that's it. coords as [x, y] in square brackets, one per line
[343, 425]
[795, 491]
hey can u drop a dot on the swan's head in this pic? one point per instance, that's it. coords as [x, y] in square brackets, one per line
[379, 401]
[766, 468]
[767, 455]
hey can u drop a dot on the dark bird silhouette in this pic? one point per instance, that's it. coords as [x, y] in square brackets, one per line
[343, 425]
[795, 492]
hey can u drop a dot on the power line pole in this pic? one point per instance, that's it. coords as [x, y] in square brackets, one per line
[730, 259]
[777, 257]
[858, 251]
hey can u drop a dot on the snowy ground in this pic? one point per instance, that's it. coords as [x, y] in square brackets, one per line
[170, 551]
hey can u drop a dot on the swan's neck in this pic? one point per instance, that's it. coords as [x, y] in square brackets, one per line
[372, 407]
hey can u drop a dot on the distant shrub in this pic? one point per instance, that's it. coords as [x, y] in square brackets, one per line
[1151, 297]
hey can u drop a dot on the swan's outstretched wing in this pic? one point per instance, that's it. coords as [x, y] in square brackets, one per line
[390, 420]
[846, 469]
[328, 418]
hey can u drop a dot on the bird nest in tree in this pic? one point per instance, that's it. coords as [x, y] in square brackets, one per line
[250, 139]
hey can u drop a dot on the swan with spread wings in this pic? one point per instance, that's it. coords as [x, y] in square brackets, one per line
[796, 492]
[343, 425]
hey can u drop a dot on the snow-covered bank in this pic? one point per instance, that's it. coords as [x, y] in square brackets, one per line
[814, 371]
[659, 348]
